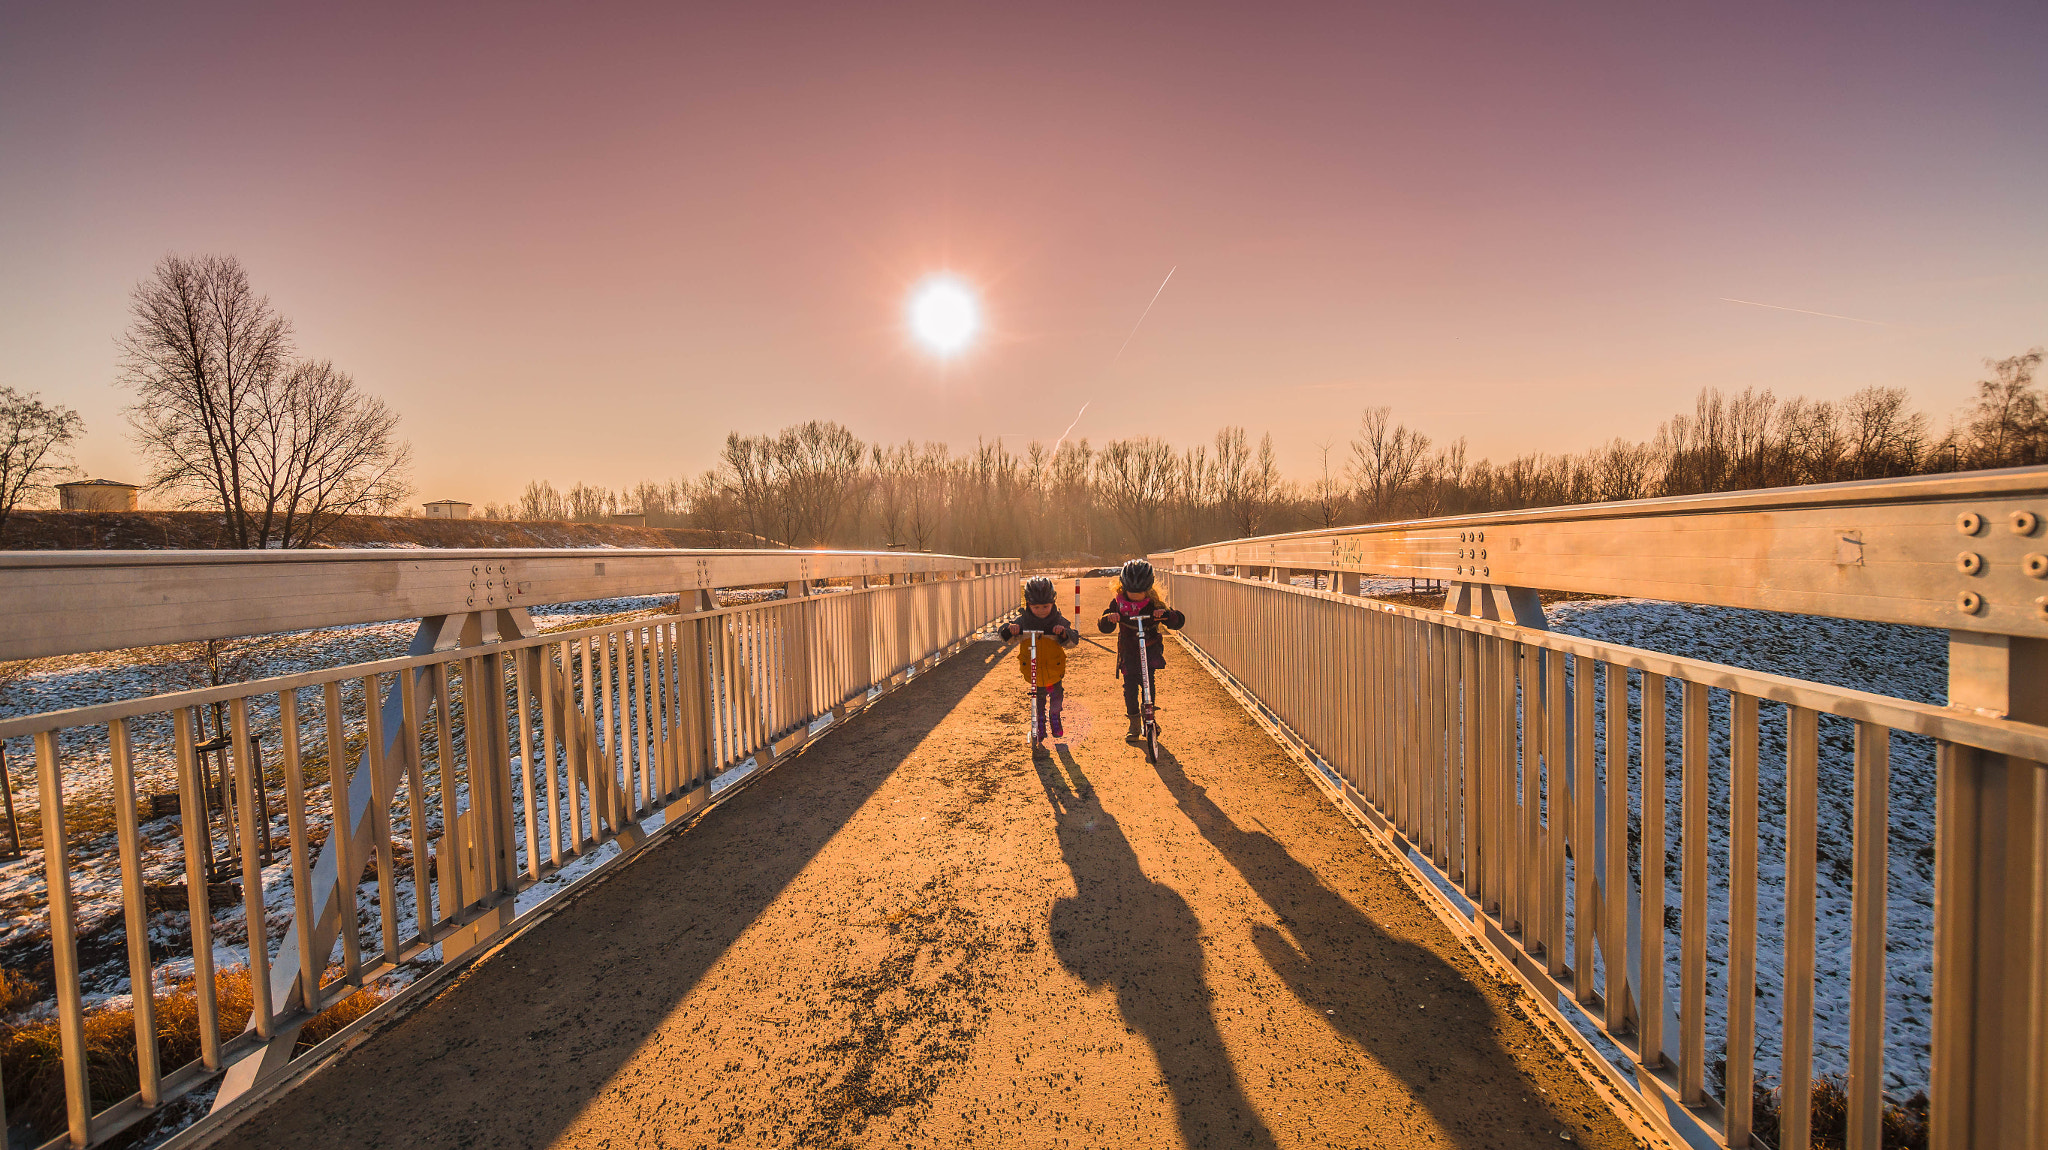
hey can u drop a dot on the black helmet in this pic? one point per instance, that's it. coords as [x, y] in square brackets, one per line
[1137, 575]
[1039, 589]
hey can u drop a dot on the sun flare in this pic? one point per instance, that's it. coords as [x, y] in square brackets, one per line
[944, 315]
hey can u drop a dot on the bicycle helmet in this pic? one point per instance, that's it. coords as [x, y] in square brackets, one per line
[1039, 589]
[1137, 576]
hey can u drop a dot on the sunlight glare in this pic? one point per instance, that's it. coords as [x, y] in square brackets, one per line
[943, 315]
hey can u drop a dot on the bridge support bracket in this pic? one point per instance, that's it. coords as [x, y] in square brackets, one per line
[1518, 605]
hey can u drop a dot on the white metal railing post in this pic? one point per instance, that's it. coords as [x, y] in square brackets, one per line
[1990, 1085]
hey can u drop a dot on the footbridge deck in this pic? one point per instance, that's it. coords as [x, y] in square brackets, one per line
[918, 933]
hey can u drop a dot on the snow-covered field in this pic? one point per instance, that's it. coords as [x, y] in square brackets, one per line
[1904, 662]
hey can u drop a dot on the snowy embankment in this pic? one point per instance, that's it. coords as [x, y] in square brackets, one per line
[1902, 662]
[58, 684]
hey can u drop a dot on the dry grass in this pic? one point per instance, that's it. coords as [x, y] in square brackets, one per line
[17, 992]
[31, 1054]
[1905, 1124]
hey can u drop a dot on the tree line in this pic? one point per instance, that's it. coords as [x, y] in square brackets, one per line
[817, 484]
[229, 418]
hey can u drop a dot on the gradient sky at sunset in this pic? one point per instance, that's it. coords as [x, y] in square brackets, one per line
[584, 242]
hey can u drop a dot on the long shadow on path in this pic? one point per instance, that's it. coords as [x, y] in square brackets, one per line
[1420, 1017]
[514, 1052]
[1140, 938]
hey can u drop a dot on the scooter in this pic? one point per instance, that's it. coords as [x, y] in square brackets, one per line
[1145, 705]
[1039, 696]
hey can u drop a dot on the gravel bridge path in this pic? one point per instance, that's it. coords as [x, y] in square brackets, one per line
[916, 934]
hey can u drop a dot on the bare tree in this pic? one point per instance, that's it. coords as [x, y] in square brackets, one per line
[318, 448]
[1886, 437]
[224, 418]
[1247, 485]
[748, 465]
[33, 439]
[1386, 459]
[540, 501]
[816, 467]
[2009, 425]
[931, 479]
[202, 345]
[1137, 478]
[1326, 492]
[1623, 470]
[1072, 491]
[1815, 445]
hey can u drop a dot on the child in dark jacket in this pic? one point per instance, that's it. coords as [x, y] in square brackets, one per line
[1135, 597]
[1040, 615]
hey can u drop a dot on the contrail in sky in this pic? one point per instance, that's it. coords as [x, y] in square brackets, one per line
[1141, 317]
[1077, 416]
[1803, 311]
[1119, 355]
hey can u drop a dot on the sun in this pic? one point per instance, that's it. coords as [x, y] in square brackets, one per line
[944, 315]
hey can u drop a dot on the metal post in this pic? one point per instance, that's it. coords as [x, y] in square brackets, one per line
[1990, 1086]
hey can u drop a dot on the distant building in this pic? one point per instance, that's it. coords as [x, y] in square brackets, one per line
[630, 520]
[447, 509]
[96, 495]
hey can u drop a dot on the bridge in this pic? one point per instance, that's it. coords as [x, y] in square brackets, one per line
[785, 871]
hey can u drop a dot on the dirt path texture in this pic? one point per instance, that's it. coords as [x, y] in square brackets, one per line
[919, 933]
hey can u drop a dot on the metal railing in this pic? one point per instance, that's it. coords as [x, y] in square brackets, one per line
[447, 783]
[1608, 817]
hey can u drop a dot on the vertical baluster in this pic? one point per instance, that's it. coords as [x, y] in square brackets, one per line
[63, 938]
[1650, 981]
[1866, 963]
[248, 777]
[1465, 786]
[1585, 810]
[448, 852]
[1692, 936]
[198, 850]
[525, 665]
[630, 765]
[1506, 736]
[547, 685]
[1557, 811]
[1802, 820]
[1532, 797]
[295, 824]
[670, 708]
[1440, 752]
[608, 757]
[415, 803]
[1739, 1075]
[1411, 729]
[346, 872]
[381, 788]
[1614, 875]
[478, 838]
[1484, 806]
[579, 730]
[141, 972]
[651, 772]
[644, 732]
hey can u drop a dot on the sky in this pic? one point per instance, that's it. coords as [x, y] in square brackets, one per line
[583, 243]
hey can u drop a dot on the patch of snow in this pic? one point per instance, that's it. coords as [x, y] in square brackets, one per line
[1902, 662]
